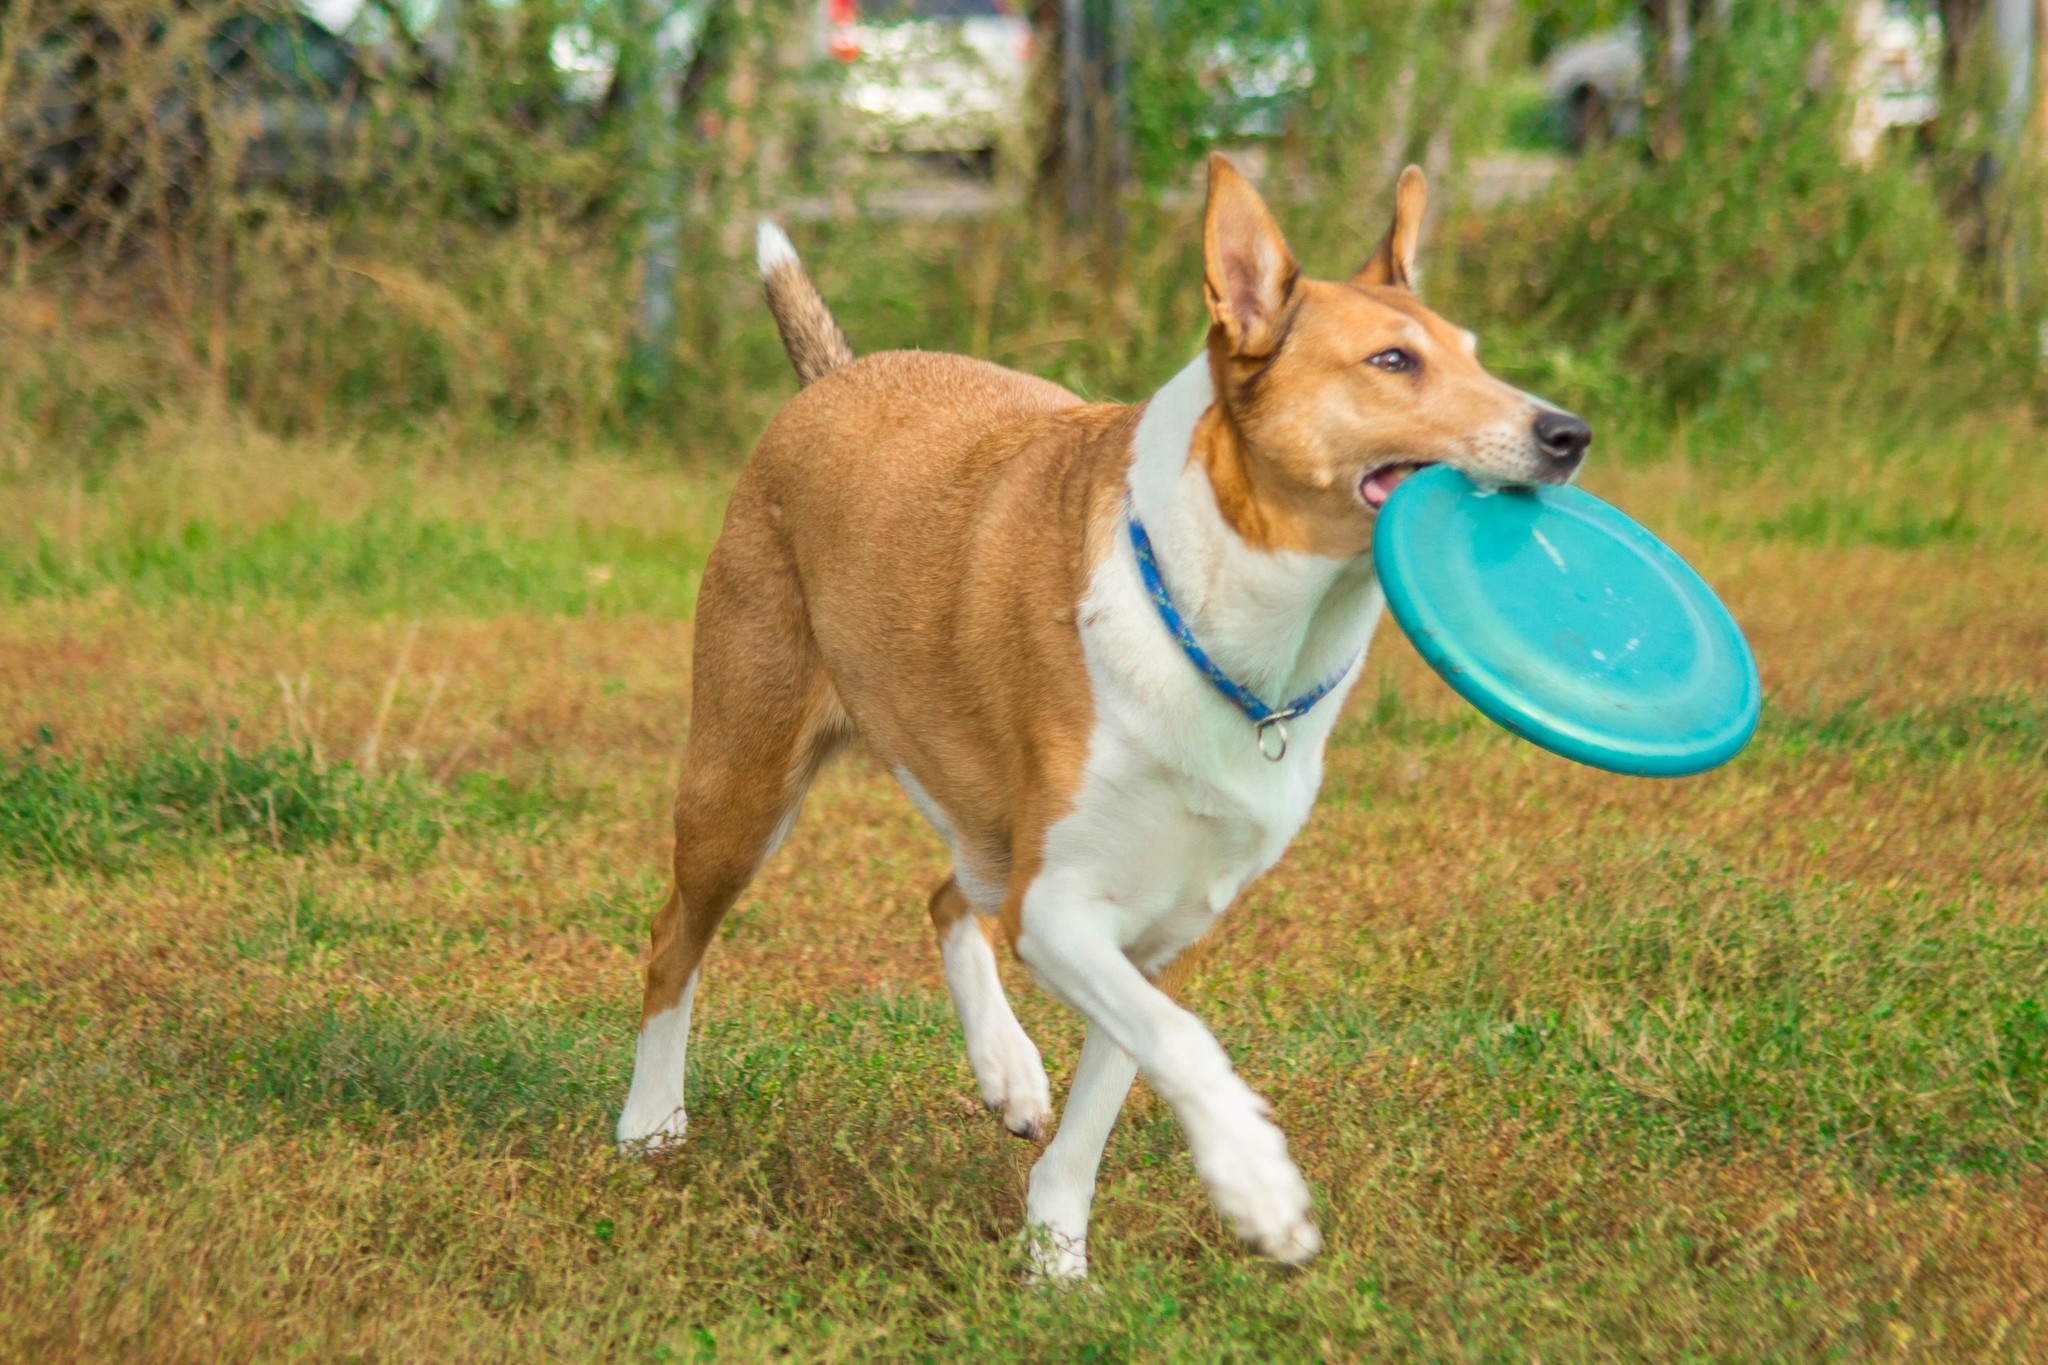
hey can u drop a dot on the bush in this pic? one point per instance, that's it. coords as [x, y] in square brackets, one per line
[1759, 272]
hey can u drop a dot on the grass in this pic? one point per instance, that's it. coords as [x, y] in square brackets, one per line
[61, 814]
[303, 1052]
[388, 559]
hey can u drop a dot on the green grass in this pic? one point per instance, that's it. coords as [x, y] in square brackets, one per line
[295, 1056]
[1838, 521]
[1677, 1012]
[1666, 1015]
[2010, 728]
[60, 813]
[389, 558]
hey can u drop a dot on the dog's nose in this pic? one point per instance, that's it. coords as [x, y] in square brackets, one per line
[1562, 437]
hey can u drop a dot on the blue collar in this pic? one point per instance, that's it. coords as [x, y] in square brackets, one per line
[1265, 719]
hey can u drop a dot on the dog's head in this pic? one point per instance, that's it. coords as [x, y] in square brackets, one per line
[1327, 395]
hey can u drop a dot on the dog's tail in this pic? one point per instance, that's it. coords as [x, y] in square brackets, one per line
[810, 333]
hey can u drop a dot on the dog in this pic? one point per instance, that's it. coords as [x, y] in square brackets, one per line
[1100, 647]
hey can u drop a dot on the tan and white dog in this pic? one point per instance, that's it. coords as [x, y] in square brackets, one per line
[932, 553]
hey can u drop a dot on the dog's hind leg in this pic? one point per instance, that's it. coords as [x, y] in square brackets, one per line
[764, 718]
[1006, 1063]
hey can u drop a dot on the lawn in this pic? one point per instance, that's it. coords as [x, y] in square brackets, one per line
[331, 817]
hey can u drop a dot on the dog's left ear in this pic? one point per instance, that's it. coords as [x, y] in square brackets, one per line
[1248, 274]
[1394, 263]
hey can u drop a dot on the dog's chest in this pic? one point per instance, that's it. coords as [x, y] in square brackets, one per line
[1177, 809]
[1164, 852]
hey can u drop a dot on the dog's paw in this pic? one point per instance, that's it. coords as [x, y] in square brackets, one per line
[647, 1129]
[1012, 1079]
[1243, 1159]
[1056, 1260]
[1296, 1245]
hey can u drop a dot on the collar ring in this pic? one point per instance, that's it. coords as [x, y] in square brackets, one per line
[1275, 725]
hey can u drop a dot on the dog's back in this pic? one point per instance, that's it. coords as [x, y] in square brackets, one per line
[905, 487]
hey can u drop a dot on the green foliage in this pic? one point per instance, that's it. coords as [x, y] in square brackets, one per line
[1553, 23]
[1757, 271]
[1182, 96]
[466, 268]
[1845, 521]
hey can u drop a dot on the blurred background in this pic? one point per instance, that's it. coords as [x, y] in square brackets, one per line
[1745, 225]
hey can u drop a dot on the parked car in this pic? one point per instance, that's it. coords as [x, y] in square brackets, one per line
[1595, 86]
[97, 115]
[930, 75]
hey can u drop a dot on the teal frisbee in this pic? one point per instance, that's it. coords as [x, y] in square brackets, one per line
[1566, 622]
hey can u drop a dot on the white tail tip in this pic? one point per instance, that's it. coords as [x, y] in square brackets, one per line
[772, 249]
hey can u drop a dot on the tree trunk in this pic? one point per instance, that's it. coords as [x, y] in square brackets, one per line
[1095, 157]
[1958, 30]
[1048, 102]
[2041, 79]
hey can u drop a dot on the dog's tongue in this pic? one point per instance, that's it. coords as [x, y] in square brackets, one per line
[1382, 484]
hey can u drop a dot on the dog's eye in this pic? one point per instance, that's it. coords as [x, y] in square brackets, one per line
[1394, 360]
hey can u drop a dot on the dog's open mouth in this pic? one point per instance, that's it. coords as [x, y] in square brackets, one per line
[1379, 485]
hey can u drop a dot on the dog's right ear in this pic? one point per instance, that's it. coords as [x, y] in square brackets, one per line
[1394, 262]
[1248, 274]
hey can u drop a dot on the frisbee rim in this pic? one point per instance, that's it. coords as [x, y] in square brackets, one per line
[1488, 685]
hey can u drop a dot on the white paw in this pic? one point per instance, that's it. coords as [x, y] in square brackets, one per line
[648, 1128]
[1012, 1078]
[1243, 1159]
[1056, 1259]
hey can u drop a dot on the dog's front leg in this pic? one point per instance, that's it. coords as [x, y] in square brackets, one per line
[1239, 1153]
[1063, 1181]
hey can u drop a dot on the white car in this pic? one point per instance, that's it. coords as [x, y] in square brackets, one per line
[931, 75]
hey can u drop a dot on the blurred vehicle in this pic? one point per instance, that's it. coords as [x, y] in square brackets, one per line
[1595, 86]
[931, 75]
[296, 89]
[1896, 79]
[99, 116]
[953, 75]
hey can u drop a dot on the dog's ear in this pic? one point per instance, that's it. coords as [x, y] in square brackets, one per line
[1248, 274]
[1394, 263]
